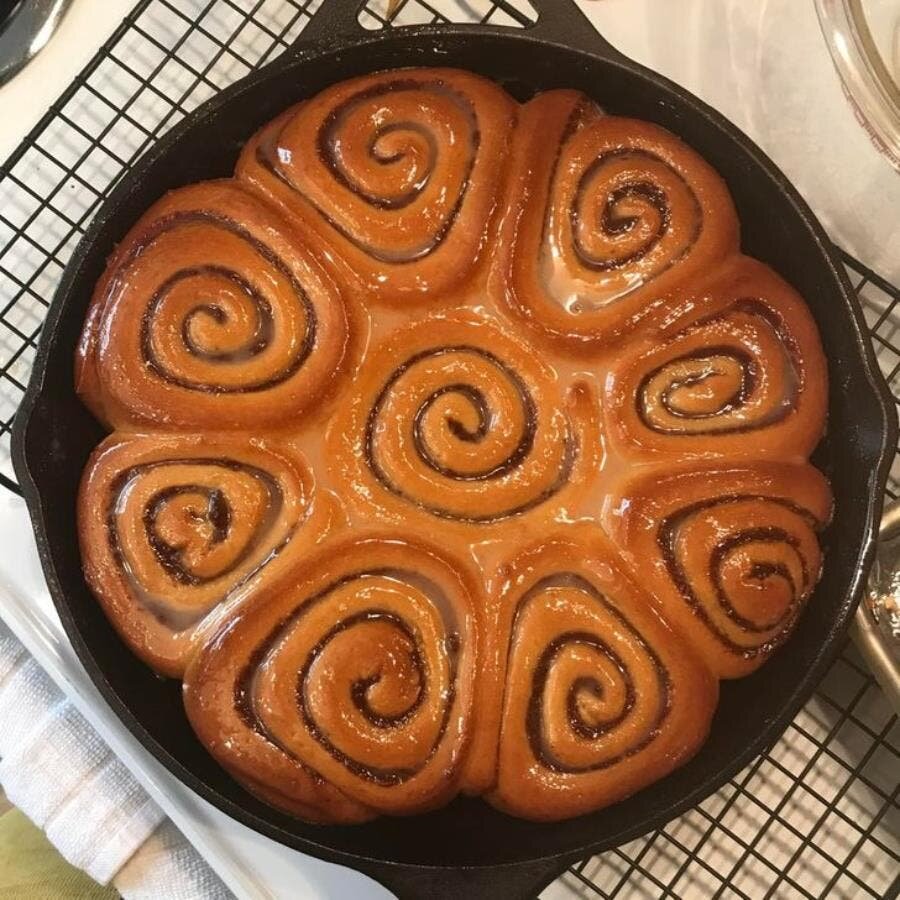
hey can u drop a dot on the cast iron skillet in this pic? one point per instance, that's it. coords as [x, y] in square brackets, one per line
[468, 849]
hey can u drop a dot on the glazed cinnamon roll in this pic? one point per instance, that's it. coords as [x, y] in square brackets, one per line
[599, 696]
[730, 556]
[398, 171]
[455, 418]
[346, 689]
[211, 314]
[177, 530]
[748, 380]
[606, 216]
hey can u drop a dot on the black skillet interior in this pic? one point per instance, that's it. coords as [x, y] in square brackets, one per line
[55, 433]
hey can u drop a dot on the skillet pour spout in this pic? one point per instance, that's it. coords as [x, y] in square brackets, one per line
[468, 849]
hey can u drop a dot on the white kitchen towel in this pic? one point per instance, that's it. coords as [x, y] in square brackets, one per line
[167, 867]
[60, 773]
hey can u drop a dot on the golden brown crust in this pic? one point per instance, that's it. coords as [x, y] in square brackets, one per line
[597, 697]
[453, 418]
[176, 531]
[212, 314]
[354, 676]
[495, 451]
[729, 555]
[747, 380]
[399, 173]
[606, 216]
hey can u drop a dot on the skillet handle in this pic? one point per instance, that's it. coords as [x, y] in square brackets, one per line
[563, 22]
[333, 18]
[559, 22]
[523, 881]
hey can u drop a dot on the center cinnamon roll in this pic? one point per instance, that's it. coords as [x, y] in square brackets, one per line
[465, 427]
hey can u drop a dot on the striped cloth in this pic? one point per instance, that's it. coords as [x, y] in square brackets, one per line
[61, 774]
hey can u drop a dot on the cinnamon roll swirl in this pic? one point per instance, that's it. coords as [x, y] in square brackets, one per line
[730, 556]
[211, 314]
[599, 697]
[177, 530]
[398, 171]
[748, 380]
[606, 217]
[455, 418]
[346, 689]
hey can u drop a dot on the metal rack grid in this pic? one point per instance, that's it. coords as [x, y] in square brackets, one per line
[819, 814]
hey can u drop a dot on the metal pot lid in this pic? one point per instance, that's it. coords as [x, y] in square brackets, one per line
[877, 626]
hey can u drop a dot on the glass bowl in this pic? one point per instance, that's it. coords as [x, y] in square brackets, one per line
[863, 37]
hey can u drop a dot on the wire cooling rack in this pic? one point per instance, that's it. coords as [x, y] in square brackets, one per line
[817, 816]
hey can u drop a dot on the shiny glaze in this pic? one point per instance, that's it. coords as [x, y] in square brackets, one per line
[577, 722]
[397, 174]
[494, 451]
[263, 331]
[730, 555]
[237, 323]
[356, 673]
[595, 689]
[177, 530]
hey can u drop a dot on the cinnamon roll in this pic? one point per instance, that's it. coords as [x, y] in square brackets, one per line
[347, 688]
[455, 418]
[606, 216]
[399, 172]
[177, 530]
[748, 380]
[730, 556]
[212, 314]
[599, 696]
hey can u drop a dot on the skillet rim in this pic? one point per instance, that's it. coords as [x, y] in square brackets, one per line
[865, 362]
